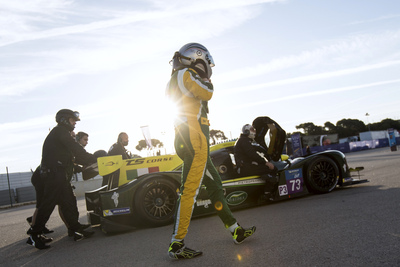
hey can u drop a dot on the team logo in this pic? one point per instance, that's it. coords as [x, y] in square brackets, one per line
[115, 197]
[119, 211]
[236, 198]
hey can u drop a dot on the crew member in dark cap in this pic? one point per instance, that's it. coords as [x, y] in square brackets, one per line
[59, 150]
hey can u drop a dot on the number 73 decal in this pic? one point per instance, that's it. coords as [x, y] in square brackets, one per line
[294, 182]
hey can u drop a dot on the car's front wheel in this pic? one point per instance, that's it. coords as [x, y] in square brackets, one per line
[322, 175]
[155, 202]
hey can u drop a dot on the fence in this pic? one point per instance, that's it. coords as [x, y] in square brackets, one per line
[17, 188]
[352, 146]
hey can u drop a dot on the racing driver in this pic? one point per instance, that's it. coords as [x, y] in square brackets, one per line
[190, 88]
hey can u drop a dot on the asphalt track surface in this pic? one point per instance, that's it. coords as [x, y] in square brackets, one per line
[352, 226]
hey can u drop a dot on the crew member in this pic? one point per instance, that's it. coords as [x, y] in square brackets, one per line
[117, 148]
[59, 148]
[82, 138]
[190, 88]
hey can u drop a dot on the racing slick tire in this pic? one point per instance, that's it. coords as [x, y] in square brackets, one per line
[322, 175]
[155, 202]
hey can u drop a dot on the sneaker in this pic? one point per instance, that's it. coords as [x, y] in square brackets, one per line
[82, 226]
[240, 233]
[44, 238]
[45, 230]
[178, 250]
[78, 236]
[37, 242]
[81, 234]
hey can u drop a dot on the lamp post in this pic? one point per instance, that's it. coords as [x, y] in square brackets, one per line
[367, 114]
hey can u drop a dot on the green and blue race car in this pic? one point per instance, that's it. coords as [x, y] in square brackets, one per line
[144, 191]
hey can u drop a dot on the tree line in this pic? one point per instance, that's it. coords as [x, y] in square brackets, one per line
[344, 128]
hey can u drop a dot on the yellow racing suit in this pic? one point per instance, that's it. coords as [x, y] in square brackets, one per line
[190, 93]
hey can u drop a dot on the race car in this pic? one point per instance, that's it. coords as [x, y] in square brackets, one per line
[143, 192]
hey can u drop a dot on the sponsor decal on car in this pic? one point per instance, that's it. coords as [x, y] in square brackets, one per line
[236, 198]
[348, 179]
[294, 182]
[205, 203]
[242, 182]
[139, 161]
[283, 190]
[115, 197]
[118, 211]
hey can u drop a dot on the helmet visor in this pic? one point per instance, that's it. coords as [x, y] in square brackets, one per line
[76, 116]
[210, 60]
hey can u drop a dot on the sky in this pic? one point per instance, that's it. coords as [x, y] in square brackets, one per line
[293, 61]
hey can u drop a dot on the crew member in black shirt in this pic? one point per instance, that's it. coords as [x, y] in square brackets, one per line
[59, 150]
[117, 148]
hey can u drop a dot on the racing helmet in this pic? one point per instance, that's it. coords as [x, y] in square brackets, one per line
[249, 131]
[196, 56]
[63, 115]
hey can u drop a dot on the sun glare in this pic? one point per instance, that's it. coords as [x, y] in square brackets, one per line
[160, 117]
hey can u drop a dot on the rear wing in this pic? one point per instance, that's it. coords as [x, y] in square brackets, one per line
[130, 169]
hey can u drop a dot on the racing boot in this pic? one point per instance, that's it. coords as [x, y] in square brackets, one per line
[178, 250]
[240, 233]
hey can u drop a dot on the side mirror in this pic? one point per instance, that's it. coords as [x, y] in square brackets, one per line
[284, 157]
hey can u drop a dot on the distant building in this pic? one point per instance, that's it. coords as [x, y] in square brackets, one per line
[349, 139]
[373, 135]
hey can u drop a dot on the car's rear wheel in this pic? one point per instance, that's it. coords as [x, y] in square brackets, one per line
[322, 175]
[155, 202]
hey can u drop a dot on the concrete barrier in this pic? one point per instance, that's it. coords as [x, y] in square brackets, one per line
[5, 197]
[25, 194]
